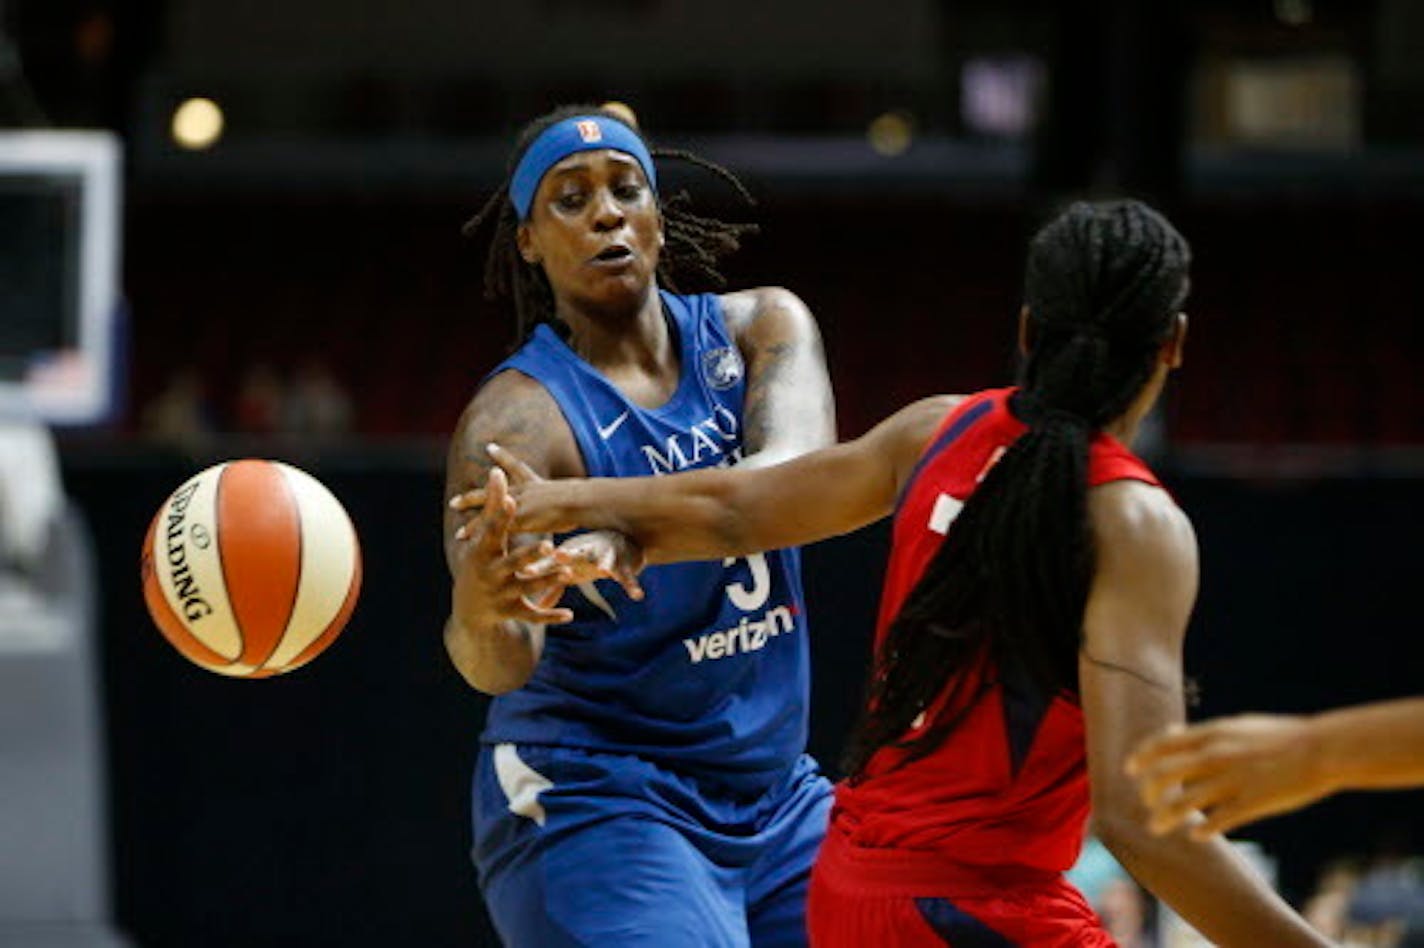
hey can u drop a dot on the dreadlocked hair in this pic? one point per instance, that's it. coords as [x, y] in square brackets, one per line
[1008, 586]
[694, 245]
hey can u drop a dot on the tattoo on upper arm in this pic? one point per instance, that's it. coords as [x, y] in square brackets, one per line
[774, 363]
[518, 424]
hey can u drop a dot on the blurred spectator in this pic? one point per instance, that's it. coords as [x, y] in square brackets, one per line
[1328, 908]
[180, 412]
[1387, 901]
[260, 401]
[1124, 909]
[317, 404]
[1379, 905]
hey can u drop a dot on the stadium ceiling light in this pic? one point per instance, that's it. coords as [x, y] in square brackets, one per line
[197, 124]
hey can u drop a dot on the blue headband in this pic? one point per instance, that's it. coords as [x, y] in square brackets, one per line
[558, 141]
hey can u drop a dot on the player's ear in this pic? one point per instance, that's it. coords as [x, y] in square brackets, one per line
[1025, 333]
[1173, 348]
[524, 240]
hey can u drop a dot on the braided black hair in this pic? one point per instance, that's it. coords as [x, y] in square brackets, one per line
[1104, 283]
[694, 245]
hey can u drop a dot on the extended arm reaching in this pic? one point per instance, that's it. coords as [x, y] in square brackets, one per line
[729, 511]
[1237, 770]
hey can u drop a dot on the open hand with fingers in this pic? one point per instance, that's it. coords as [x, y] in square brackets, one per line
[603, 554]
[530, 502]
[538, 505]
[490, 566]
[1231, 771]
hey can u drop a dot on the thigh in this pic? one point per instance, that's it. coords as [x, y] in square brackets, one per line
[781, 877]
[626, 881]
[559, 869]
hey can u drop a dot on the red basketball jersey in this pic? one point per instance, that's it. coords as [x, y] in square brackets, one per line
[1009, 785]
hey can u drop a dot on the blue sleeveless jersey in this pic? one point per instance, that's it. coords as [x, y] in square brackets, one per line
[709, 674]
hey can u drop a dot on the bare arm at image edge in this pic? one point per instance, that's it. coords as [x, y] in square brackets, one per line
[1130, 675]
[1240, 769]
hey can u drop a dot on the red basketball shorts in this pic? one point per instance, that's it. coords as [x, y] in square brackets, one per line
[900, 899]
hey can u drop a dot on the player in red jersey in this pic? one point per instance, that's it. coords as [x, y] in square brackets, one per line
[1035, 604]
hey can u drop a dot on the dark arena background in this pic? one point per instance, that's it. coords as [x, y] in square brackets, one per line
[293, 284]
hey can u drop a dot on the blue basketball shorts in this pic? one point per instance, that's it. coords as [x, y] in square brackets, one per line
[583, 848]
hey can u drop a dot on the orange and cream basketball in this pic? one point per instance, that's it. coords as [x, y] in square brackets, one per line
[251, 568]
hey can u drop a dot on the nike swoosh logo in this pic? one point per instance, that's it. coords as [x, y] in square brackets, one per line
[606, 431]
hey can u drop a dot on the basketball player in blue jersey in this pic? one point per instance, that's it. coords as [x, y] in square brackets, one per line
[641, 779]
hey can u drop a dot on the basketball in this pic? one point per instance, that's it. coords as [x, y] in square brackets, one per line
[251, 568]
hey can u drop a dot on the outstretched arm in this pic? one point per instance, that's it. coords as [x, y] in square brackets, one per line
[1237, 770]
[1130, 678]
[731, 511]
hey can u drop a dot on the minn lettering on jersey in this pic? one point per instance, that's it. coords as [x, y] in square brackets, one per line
[713, 437]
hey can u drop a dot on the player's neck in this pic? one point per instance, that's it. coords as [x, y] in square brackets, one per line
[636, 337]
[1125, 427]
